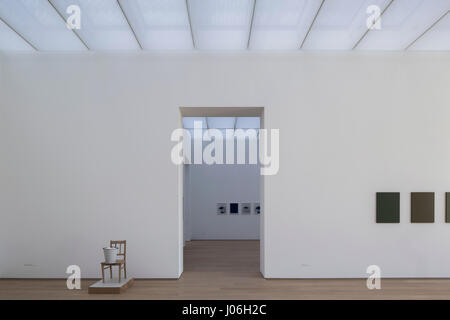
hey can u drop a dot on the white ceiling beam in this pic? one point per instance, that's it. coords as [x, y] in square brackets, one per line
[73, 30]
[428, 29]
[16, 32]
[190, 23]
[129, 24]
[312, 23]
[368, 29]
[251, 25]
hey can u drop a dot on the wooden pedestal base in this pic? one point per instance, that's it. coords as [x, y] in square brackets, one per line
[111, 286]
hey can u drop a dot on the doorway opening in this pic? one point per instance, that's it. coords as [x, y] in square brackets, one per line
[222, 193]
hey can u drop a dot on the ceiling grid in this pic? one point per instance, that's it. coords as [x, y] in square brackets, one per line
[226, 25]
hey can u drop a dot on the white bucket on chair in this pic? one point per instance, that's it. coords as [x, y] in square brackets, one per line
[110, 254]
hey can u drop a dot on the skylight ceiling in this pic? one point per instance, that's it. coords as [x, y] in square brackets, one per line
[10, 40]
[189, 122]
[222, 122]
[437, 38]
[39, 23]
[340, 24]
[225, 25]
[221, 24]
[160, 24]
[403, 22]
[282, 25]
[104, 26]
[248, 123]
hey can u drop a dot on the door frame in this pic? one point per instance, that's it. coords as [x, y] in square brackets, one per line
[221, 112]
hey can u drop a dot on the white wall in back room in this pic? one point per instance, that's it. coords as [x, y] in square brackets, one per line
[207, 185]
[212, 184]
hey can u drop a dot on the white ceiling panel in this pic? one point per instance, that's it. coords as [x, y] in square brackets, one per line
[221, 122]
[39, 23]
[221, 24]
[340, 24]
[188, 122]
[11, 41]
[437, 38]
[160, 24]
[403, 22]
[192, 133]
[283, 24]
[103, 25]
[247, 123]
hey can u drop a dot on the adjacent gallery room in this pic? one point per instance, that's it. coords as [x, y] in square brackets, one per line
[221, 206]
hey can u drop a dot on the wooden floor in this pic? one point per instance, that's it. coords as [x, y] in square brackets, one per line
[230, 270]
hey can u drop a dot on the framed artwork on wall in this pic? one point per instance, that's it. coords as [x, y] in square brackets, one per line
[388, 207]
[422, 207]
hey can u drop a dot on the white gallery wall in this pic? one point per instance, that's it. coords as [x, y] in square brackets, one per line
[208, 185]
[85, 157]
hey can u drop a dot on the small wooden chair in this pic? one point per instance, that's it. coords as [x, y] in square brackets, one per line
[122, 246]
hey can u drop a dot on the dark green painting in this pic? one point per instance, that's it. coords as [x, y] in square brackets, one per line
[388, 207]
[447, 207]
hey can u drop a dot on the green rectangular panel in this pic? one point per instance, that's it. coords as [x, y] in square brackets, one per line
[422, 207]
[388, 207]
[447, 207]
